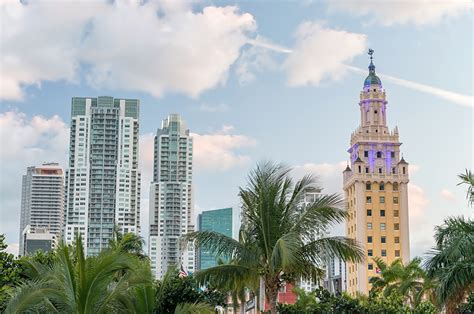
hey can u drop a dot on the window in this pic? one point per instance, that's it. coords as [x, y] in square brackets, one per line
[397, 253]
[366, 169]
[379, 154]
[382, 186]
[392, 154]
[370, 252]
[382, 226]
[395, 200]
[382, 213]
[380, 170]
[395, 213]
[395, 185]
[370, 266]
[396, 226]
[366, 153]
[383, 239]
[382, 199]
[393, 170]
[404, 171]
[368, 199]
[397, 239]
[369, 239]
[368, 186]
[369, 212]
[369, 226]
[360, 169]
[384, 253]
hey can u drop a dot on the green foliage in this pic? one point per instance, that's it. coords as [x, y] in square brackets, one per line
[277, 239]
[173, 292]
[468, 179]
[468, 307]
[10, 273]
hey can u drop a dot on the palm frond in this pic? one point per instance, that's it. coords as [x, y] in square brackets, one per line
[322, 250]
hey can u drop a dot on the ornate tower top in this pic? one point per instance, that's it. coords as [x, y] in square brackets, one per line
[372, 79]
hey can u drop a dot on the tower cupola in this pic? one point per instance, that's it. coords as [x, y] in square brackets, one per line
[372, 79]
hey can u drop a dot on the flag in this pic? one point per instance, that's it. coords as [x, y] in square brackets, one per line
[377, 270]
[182, 272]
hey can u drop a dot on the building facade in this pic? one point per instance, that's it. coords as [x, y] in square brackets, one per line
[218, 220]
[42, 202]
[375, 186]
[103, 180]
[171, 198]
[335, 276]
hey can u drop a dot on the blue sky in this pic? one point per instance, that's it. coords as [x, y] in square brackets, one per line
[253, 80]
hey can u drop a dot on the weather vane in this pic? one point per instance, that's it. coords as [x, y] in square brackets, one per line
[371, 52]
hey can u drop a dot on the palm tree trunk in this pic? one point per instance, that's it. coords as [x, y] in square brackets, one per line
[272, 297]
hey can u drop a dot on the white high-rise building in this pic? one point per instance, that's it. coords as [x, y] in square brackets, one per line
[103, 180]
[171, 198]
[42, 202]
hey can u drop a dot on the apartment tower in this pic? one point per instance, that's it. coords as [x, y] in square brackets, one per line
[42, 204]
[375, 186]
[171, 198]
[103, 180]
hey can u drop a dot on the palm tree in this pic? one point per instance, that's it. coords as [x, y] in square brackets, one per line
[468, 179]
[127, 243]
[408, 280]
[451, 261]
[76, 284]
[281, 244]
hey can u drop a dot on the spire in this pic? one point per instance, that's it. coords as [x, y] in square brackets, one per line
[371, 65]
[372, 79]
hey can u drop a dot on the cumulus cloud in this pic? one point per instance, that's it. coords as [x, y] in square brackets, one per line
[320, 53]
[154, 47]
[25, 141]
[221, 151]
[328, 175]
[447, 195]
[417, 12]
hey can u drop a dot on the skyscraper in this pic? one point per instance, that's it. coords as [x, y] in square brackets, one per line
[375, 186]
[103, 180]
[217, 220]
[42, 203]
[171, 197]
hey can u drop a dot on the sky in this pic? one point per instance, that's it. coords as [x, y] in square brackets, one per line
[254, 80]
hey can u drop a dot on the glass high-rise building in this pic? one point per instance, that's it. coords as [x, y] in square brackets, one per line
[103, 180]
[171, 198]
[218, 220]
[42, 203]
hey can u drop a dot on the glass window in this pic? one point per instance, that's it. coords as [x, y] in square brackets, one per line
[394, 171]
[366, 153]
[369, 212]
[379, 154]
[397, 253]
[368, 199]
[392, 154]
[369, 226]
[382, 199]
[382, 226]
[395, 213]
[395, 185]
[397, 239]
[368, 186]
[382, 186]
[383, 239]
[395, 200]
[369, 239]
[396, 226]
[384, 253]
[382, 213]
[370, 266]
[370, 252]
[380, 170]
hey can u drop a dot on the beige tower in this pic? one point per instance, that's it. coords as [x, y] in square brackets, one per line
[375, 186]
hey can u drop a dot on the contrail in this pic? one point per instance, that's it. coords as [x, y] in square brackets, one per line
[460, 99]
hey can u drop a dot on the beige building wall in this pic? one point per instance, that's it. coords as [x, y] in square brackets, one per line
[375, 185]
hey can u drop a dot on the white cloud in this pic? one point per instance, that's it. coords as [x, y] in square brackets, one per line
[25, 142]
[328, 175]
[320, 53]
[220, 151]
[389, 12]
[155, 47]
[447, 195]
